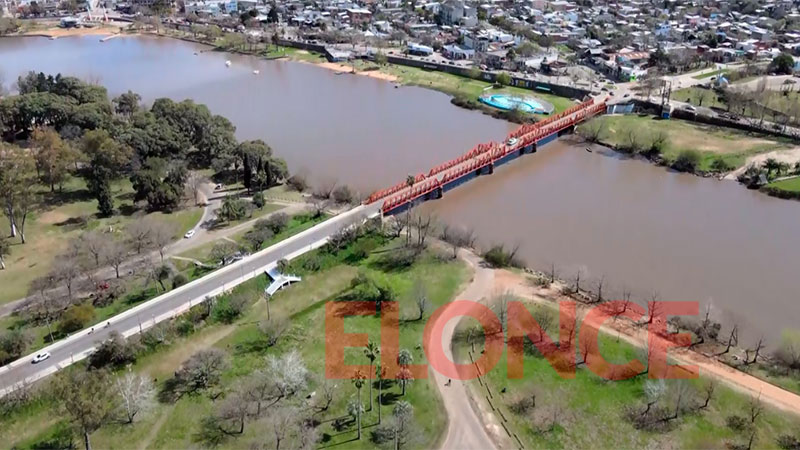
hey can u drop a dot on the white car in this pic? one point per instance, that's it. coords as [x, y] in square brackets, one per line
[40, 357]
[690, 108]
[512, 142]
[189, 234]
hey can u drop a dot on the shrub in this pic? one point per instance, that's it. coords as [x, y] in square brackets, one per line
[312, 263]
[737, 423]
[179, 280]
[498, 256]
[275, 223]
[283, 265]
[229, 308]
[258, 199]
[720, 165]
[297, 182]
[76, 317]
[687, 161]
[342, 194]
[115, 351]
[185, 327]
[13, 344]
[788, 442]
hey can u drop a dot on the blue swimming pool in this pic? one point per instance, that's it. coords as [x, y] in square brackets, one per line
[525, 104]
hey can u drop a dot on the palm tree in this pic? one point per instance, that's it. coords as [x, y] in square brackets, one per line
[372, 351]
[404, 358]
[771, 164]
[380, 373]
[358, 381]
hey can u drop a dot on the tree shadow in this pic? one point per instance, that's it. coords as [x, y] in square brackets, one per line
[390, 398]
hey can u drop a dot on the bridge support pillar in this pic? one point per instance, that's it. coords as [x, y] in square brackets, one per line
[438, 193]
[490, 169]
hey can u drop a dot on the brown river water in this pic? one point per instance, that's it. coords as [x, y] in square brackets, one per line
[639, 226]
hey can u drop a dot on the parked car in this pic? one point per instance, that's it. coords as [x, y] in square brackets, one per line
[690, 108]
[189, 234]
[39, 357]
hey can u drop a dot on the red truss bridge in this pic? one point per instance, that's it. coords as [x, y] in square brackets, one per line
[482, 159]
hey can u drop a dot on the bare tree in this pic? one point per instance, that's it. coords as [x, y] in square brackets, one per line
[94, 244]
[598, 298]
[273, 329]
[136, 395]
[422, 225]
[756, 352]
[202, 369]
[288, 371]
[709, 389]
[755, 408]
[552, 273]
[66, 269]
[654, 307]
[396, 226]
[162, 234]
[140, 232]
[194, 185]
[115, 253]
[421, 297]
[458, 237]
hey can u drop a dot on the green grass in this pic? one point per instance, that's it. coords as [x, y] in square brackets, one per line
[48, 230]
[710, 141]
[471, 89]
[699, 97]
[789, 185]
[592, 409]
[175, 425]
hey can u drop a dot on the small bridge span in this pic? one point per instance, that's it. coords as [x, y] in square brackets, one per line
[482, 159]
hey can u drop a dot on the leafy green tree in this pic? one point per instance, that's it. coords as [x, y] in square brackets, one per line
[115, 351]
[76, 317]
[258, 199]
[107, 158]
[86, 397]
[54, 157]
[13, 344]
[17, 187]
[232, 209]
[783, 63]
[255, 238]
[160, 183]
[503, 79]
[127, 104]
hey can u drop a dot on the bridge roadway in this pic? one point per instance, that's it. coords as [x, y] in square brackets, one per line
[483, 158]
[81, 344]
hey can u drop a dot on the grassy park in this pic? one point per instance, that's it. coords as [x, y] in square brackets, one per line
[60, 218]
[178, 423]
[711, 143]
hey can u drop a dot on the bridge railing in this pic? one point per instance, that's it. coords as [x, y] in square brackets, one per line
[483, 154]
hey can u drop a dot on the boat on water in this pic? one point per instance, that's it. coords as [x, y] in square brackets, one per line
[256, 72]
[588, 150]
[228, 63]
[53, 38]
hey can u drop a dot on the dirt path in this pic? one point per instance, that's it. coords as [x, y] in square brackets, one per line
[466, 428]
[710, 367]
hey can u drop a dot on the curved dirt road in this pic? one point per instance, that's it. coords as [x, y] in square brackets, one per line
[465, 429]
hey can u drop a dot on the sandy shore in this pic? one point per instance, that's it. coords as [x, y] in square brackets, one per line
[377, 74]
[58, 32]
[790, 157]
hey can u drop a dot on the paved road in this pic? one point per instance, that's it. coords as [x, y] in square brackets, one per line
[164, 307]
